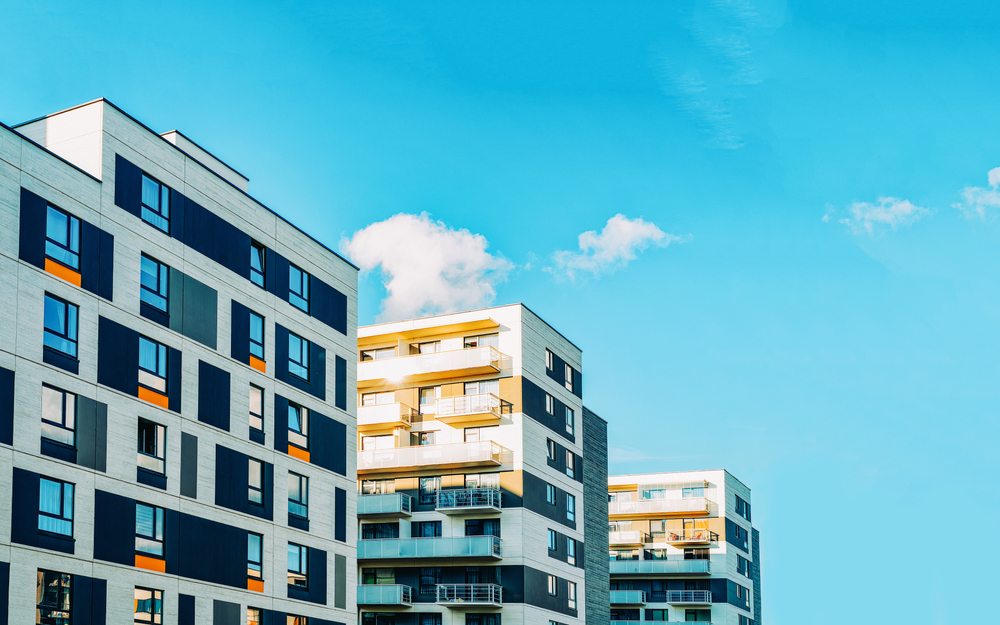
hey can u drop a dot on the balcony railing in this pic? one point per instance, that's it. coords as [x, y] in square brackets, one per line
[438, 547]
[479, 453]
[627, 537]
[385, 594]
[468, 500]
[419, 367]
[691, 537]
[659, 567]
[384, 416]
[689, 505]
[477, 407]
[385, 505]
[461, 595]
[628, 597]
[689, 596]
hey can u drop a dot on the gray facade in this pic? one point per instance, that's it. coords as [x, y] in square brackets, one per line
[595, 501]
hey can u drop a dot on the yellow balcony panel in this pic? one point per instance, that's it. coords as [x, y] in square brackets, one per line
[657, 508]
[454, 456]
[384, 417]
[409, 370]
[477, 409]
[415, 332]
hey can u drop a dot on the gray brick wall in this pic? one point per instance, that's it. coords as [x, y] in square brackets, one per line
[595, 517]
[755, 536]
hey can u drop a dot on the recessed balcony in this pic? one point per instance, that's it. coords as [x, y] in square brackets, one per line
[484, 408]
[385, 505]
[627, 538]
[659, 567]
[384, 417]
[470, 595]
[408, 370]
[691, 537]
[659, 507]
[688, 597]
[468, 501]
[439, 547]
[628, 597]
[483, 454]
[385, 595]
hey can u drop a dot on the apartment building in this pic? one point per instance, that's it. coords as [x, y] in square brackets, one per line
[473, 472]
[177, 419]
[683, 548]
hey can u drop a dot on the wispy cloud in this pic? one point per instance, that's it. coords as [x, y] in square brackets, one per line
[617, 244]
[889, 213]
[980, 203]
[427, 267]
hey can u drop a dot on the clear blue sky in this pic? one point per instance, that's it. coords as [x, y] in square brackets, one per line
[852, 380]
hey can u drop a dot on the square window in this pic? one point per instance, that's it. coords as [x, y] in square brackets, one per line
[298, 288]
[570, 507]
[148, 530]
[553, 587]
[298, 356]
[552, 540]
[154, 279]
[255, 491]
[298, 573]
[155, 204]
[257, 408]
[53, 597]
[55, 507]
[152, 452]
[62, 238]
[550, 404]
[298, 426]
[256, 335]
[153, 365]
[298, 495]
[58, 416]
[257, 259]
[148, 605]
[550, 494]
[60, 325]
[255, 550]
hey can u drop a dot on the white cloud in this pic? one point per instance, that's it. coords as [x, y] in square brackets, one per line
[427, 268]
[980, 202]
[889, 213]
[615, 246]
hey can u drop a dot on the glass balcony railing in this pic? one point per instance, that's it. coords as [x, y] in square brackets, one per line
[467, 595]
[688, 596]
[385, 594]
[628, 597]
[438, 547]
[627, 537]
[659, 567]
[385, 505]
[470, 500]
[470, 407]
[479, 453]
[688, 505]
[384, 416]
[418, 367]
[691, 537]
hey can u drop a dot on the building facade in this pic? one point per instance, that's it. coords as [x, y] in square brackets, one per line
[177, 414]
[683, 548]
[472, 472]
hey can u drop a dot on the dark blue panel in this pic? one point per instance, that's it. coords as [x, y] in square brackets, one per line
[185, 610]
[239, 346]
[298, 522]
[281, 353]
[62, 544]
[340, 398]
[189, 465]
[90, 257]
[281, 424]
[173, 378]
[256, 436]
[271, 617]
[328, 443]
[340, 514]
[57, 359]
[217, 239]
[206, 552]
[731, 538]
[328, 305]
[171, 546]
[31, 247]
[53, 449]
[533, 405]
[276, 274]
[114, 528]
[154, 315]
[577, 383]
[4, 591]
[83, 600]
[232, 476]
[149, 478]
[317, 371]
[106, 285]
[6, 406]
[225, 613]
[117, 357]
[177, 202]
[214, 391]
[99, 601]
[558, 370]
[317, 576]
[128, 186]
[24, 508]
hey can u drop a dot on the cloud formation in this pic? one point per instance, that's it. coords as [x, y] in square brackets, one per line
[615, 246]
[427, 268]
[979, 202]
[889, 213]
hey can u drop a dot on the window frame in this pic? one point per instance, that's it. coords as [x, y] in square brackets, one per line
[163, 193]
[304, 351]
[263, 336]
[64, 590]
[570, 464]
[550, 448]
[162, 358]
[570, 507]
[303, 501]
[154, 597]
[254, 415]
[159, 444]
[63, 414]
[159, 521]
[59, 516]
[298, 438]
[553, 541]
[571, 595]
[570, 421]
[162, 290]
[71, 241]
[255, 616]
[550, 404]
[550, 360]
[258, 563]
[571, 551]
[426, 497]
[71, 321]
[303, 564]
[568, 377]
[260, 250]
[250, 487]
[550, 494]
[303, 292]
[435, 574]
[553, 586]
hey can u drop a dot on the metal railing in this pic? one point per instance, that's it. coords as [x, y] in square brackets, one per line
[488, 594]
[386, 413]
[628, 597]
[437, 547]
[691, 536]
[627, 537]
[659, 506]
[385, 503]
[385, 594]
[659, 567]
[468, 498]
[479, 403]
[478, 452]
[688, 596]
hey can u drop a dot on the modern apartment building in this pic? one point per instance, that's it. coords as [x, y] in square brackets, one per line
[473, 472]
[683, 548]
[177, 419]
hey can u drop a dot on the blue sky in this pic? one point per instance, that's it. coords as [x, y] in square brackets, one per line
[849, 377]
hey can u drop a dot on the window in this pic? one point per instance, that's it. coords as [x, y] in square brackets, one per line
[550, 404]
[485, 340]
[257, 263]
[482, 527]
[570, 463]
[370, 443]
[742, 508]
[55, 507]
[298, 495]
[154, 279]
[296, 620]
[482, 619]
[657, 615]
[148, 530]
[152, 365]
[255, 569]
[256, 335]
[571, 595]
[551, 446]
[255, 616]
[553, 587]
[380, 576]
[570, 420]
[430, 347]
[430, 577]
[425, 529]
[552, 540]
[53, 598]
[571, 551]
[694, 491]
[550, 494]
[738, 532]
[298, 288]
[569, 378]
[60, 326]
[695, 554]
[257, 408]
[482, 387]
[378, 531]
[62, 238]
[255, 491]
[378, 487]
[152, 453]
[423, 438]
[155, 205]
[550, 361]
[745, 620]
[428, 399]
[378, 354]
[58, 416]
[570, 507]
[298, 573]
[298, 356]
[742, 565]
[148, 605]
[430, 619]
[298, 426]
[483, 480]
[378, 399]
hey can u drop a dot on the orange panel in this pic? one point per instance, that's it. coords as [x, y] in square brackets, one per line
[152, 564]
[298, 452]
[258, 364]
[256, 585]
[63, 272]
[153, 397]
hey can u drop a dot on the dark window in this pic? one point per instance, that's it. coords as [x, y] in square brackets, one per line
[482, 527]
[430, 619]
[298, 356]
[257, 263]
[657, 615]
[484, 340]
[152, 446]
[426, 529]
[742, 565]
[423, 438]
[54, 598]
[255, 491]
[298, 495]
[696, 554]
[55, 507]
[255, 543]
[550, 494]
[148, 605]
[60, 325]
[148, 530]
[552, 540]
[62, 238]
[154, 283]
[570, 507]
[298, 288]
[742, 508]
[152, 365]
[430, 577]
[257, 408]
[482, 619]
[429, 486]
[298, 573]
[298, 426]
[378, 531]
[58, 416]
[256, 335]
[155, 204]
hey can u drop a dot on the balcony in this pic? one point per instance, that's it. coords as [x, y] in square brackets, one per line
[484, 408]
[628, 597]
[439, 547]
[486, 454]
[468, 501]
[691, 537]
[627, 538]
[470, 595]
[659, 507]
[408, 370]
[384, 417]
[659, 567]
[385, 595]
[688, 597]
[387, 505]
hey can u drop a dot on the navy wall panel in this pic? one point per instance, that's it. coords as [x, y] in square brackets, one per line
[128, 186]
[327, 443]
[214, 391]
[276, 274]
[216, 238]
[317, 576]
[317, 371]
[171, 534]
[239, 346]
[173, 378]
[106, 281]
[281, 424]
[189, 465]
[185, 610]
[4, 591]
[6, 406]
[533, 405]
[281, 353]
[31, 238]
[177, 202]
[340, 514]
[206, 551]
[24, 508]
[231, 479]
[225, 613]
[90, 257]
[118, 357]
[328, 305]
[114, 528]
[340, 399]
